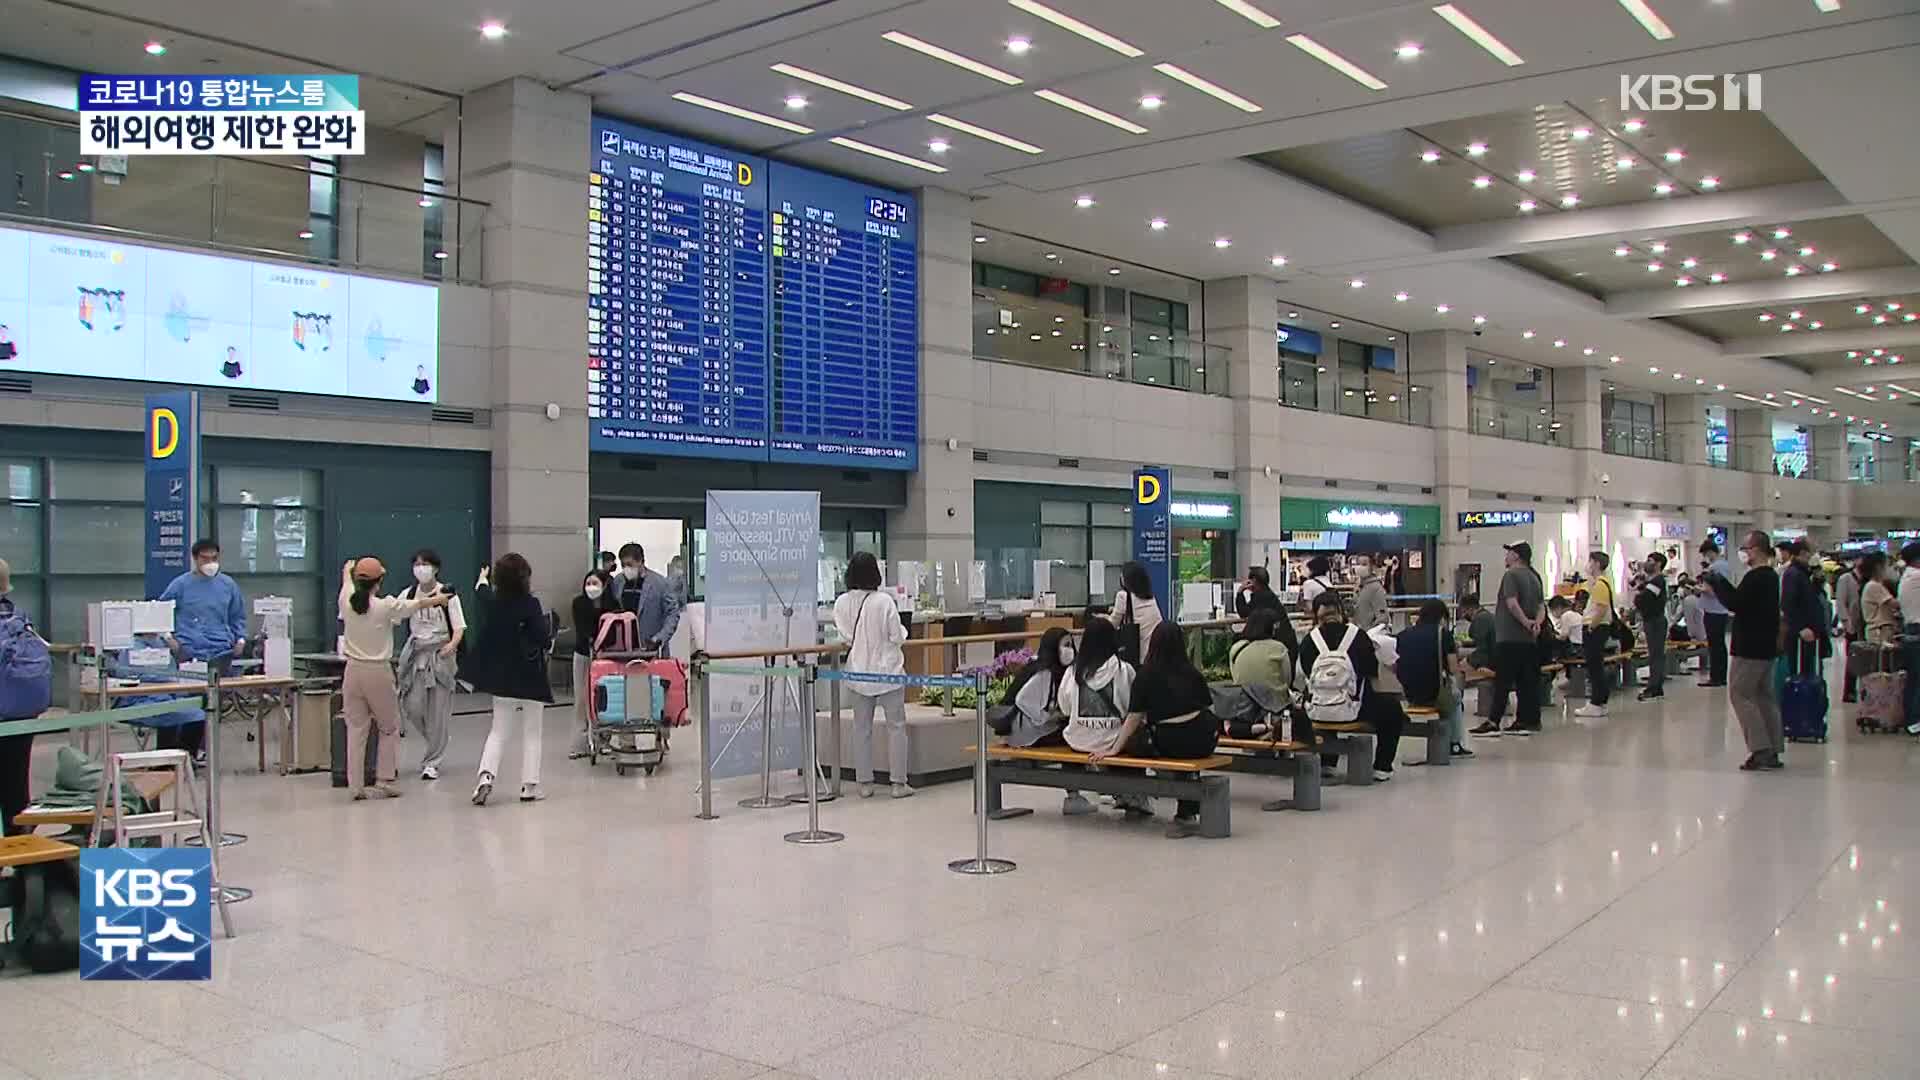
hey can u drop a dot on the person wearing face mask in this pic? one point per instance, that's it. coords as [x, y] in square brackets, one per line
[1713, 612]
[650, 597]
[209, 620]
[428, 661]
[1755, 605]
[595, 600]
[367, 690]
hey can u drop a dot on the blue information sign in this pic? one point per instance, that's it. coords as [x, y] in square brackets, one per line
[744, 309]
[1153, 530]
[146, 914]
[1494, 519]
[172, 453]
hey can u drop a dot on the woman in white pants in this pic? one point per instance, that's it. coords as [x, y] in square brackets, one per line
[508, 659]
[869, 625]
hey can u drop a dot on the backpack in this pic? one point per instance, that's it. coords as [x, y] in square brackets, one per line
[46, 916]
[26, 669]
[1333, 687]
[1128, 647]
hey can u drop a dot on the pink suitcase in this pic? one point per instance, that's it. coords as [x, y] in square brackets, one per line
[1883, 696]
[613, 646]
[673, 675]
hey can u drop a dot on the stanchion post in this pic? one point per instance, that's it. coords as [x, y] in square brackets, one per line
[766, 799]
[838, 745]
[980, 864]
[813, 833]
[704, 683]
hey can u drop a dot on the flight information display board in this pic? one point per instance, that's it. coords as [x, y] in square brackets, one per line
[747, 310]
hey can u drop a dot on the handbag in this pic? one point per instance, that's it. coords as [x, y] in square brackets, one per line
[1129, 634]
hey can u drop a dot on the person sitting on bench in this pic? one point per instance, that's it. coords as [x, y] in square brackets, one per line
[1096, 695]
[1338, 688]
[1172, 700]
[1428, 665]
[1261, 662]
[1029, 715]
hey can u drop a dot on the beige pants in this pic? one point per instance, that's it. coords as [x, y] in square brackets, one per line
[370, 701]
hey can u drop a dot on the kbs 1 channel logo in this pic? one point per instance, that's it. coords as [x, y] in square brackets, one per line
[1690, 93]
[146, 914]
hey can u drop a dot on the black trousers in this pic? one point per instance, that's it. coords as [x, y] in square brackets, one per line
[16, 760]
[1382, 713]
[1516, 670]
[188, 737]
[1717, 648]
[1656, 631]
[1596, 650]
[1193, 739]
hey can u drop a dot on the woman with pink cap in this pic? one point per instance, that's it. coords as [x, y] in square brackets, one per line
[368, 688]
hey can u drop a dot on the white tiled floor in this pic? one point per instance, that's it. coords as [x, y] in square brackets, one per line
[1612, 901]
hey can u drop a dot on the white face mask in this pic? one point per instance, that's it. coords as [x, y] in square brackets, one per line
[211, 569]
[631, 573]
[1744, 558]
[1066, 655]
[594, 591]
[423, 573]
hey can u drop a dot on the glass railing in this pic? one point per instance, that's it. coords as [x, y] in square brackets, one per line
[1519, 422]
[1633, 440]
[1015, 330]
[1386, 399]
[297, 210]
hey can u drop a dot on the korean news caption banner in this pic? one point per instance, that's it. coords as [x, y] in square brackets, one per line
[307, 115]
[173, 484]
[146, 914]
[763, 555]
[1153, 530]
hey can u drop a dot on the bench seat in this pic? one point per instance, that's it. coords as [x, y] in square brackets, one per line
[1066, 755]
[150, 785]
[1195, 779]
[27, 849]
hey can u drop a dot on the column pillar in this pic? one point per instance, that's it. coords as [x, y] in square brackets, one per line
[1752, 435]
[524, 150]
[1827, 452]
[1687, 439]
[1577, 394]
[936, 526]
[1242, 314]
[1437, 359]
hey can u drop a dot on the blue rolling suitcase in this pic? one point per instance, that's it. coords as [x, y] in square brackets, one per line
[1803, 700]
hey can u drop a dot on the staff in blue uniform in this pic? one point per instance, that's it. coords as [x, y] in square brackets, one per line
[209, 619]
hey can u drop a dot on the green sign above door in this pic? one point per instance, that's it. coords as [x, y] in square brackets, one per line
[1319, 515]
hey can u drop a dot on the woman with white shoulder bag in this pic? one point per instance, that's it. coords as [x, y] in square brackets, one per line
[869, 623]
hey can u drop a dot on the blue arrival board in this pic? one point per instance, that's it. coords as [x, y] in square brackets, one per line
[747, 309]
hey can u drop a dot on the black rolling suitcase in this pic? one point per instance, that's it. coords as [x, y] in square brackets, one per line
[339, 741]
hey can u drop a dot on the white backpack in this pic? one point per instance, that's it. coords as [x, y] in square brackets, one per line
[1333, 687]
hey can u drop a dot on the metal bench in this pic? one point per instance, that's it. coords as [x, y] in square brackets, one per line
[1278, 757]
[1063, 767]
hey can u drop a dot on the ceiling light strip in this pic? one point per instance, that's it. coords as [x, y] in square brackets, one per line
[1074, 26]
[846, 88]
[1477, 34]
[1335, 61]
[1212, 90]
[1085, 109]
[983, 133]
[744, 114]
[1809, 397]
[1250, 13]
[1649, 18]
[967, 63]
[882, 152]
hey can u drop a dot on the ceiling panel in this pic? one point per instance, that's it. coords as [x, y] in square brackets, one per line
[1848, 243]
[1864, 314]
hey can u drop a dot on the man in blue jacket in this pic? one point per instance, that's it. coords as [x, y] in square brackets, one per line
[209, 619]
[650, 597]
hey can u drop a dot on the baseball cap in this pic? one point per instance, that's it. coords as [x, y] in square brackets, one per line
[369, 569]
[1522, 549]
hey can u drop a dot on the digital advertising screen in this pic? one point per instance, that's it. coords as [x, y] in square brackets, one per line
[73, 305]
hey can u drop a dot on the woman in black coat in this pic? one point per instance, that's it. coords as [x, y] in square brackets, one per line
[508, 659]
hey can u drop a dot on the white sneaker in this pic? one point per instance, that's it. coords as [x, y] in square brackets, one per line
[866, 789]
[1075, 804]
[531, 793]
[483, 789]
[902, 791]
[1591, 711]
[429, 772]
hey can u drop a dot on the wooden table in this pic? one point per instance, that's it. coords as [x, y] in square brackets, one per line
[260, 684]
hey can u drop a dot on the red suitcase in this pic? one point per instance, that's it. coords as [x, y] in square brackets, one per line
[1883, 695]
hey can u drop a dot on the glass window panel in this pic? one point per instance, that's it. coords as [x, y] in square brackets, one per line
[29, 596]
[1063, 513]
[22, 476]
[1106, 513]
[1115, 546]
[20, 536]
[98, 539]
[268, 541]
[313, 614]
[1069, 585]
[112, 481]
[276, 487]
[1067, 544]
[68, 597]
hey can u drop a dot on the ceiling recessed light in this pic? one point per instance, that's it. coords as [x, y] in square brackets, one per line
[1654, 267]
[1357, 283]
[1782, 233]
[1559, 343]
[1222, 242]
[744, 114]
[1709, 182]
[1652, 369]
[1795, 315]
[1525, 176]
[1212, 90]
[154, 48]
[1408, 51]
[1816, 325]
[1053, 256]
[1278, 260]
[1251, 13]
[1293, 314]
[1658, 247]
[85, 166]
[1588, 351]
[1742, 238]
[1699, 382]
[1623, 163]
[1769, 255]
[1829, 267]
[1400, 297]
[1527, 206]
[1475, 33]
[1475, 149]
[1633, 126]
[1765, 316]
[965, 63]
[1796, 270]
[1909, 317]
[1879, 320]
[1443, 308]
[306, 234]
[1719, 386]
[796, 101]
[979, 239]
[1018, 46]
[440, 255]
[1085, 109]
[1622, 251]
[1663, 188]
[1716, 277]
[1157, 224]
[1806, 251]
[1675, 155]
[1152, 101]
[1483, 182]
[1083, 202]
[1113, 271]
[1333, 326]
[1335, 61]
[1893, 305]
[1613, 359]
[1581, 134]
[1569, 200]
[1683, 281]
[1429, 156]
[1648, 19]
[492, 31]
[423, 202]
[1075, 26]
[1479, 320]
[1527, 334]
[887, 155]
[938, 146]
[1689, 263]
[65, 174]
[838, 86]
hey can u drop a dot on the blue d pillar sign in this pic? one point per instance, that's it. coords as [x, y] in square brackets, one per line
[173, 484]
[1153, 530]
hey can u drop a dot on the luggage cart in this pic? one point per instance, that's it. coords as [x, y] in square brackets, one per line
[629, 729]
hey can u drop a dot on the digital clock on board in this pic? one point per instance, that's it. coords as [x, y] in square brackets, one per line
[887, 210]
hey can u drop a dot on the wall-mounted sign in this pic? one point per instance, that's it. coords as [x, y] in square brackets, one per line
[1295, 339]
[1494, 519]
[1904, 534]
[1675, 530]
[1215, 511]
[1353, 517]
[1153, 526]
[1319, 514]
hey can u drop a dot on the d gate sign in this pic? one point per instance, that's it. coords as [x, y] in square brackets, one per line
[146, 914]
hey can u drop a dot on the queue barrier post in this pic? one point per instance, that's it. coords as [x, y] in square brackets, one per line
[705, 688]
[980, 863]
[813, 833]
[766, 800]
